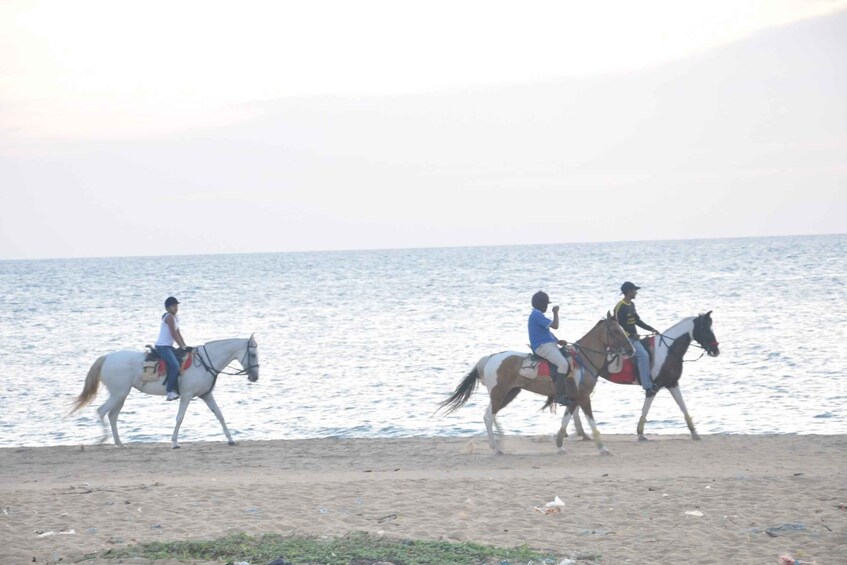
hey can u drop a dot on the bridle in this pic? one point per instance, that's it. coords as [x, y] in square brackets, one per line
[609, 353]
[246, 366]
[696, 342]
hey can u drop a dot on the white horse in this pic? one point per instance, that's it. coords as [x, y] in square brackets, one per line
[666, 366]
[121, 371]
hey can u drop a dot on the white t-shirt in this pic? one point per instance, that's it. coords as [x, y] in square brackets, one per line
[165, 335]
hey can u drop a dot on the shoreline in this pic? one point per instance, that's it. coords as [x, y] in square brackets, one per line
[725, 499]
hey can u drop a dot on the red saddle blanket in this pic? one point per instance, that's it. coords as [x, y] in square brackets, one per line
[186, 363]
[543, 368]
[628, 374]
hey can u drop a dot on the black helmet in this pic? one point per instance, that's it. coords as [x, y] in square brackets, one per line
[170, 301]
[540, 300]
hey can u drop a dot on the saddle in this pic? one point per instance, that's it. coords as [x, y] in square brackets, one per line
[627, 368]
[533, 366]
[154, 366]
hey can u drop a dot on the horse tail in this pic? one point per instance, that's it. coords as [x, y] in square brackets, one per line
[92, 383]
[463, 392]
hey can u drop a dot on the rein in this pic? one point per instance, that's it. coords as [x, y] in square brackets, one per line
[207, 365]
[694, 341]
[597, 369]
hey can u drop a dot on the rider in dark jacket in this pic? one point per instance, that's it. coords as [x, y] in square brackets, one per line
[628, 318]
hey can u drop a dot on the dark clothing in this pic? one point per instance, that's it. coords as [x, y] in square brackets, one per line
[628, 318]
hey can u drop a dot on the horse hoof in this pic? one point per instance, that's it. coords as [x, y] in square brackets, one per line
[642, 438]
[231, 442]
[561, 451]
[177, 447]
[586, 438]
[604, 452]
[695, 437]
[498, 452]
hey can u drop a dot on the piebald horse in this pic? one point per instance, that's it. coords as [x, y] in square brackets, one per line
[500, 373]
[666, 365]
[121, 371]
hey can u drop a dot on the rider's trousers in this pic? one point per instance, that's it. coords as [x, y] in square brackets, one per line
[642, 360]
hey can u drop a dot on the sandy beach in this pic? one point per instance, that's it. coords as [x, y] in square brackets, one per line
[725, 499]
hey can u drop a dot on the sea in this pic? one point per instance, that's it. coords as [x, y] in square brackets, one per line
[365, 344]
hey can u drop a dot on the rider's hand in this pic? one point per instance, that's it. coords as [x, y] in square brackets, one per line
[188, 348]
[562, 342]
[556, 309]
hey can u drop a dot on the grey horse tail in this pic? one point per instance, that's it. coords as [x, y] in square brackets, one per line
[463, 392]
[92, 383]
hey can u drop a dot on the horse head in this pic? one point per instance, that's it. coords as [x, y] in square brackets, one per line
[616, 339]
[704, 335]
[252, 360]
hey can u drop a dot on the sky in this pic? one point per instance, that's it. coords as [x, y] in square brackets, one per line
[208, 127]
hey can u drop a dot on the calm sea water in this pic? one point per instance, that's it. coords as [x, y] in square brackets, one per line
[366, 343]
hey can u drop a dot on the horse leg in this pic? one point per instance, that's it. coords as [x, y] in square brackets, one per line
[112, 407]
[213, 406]
[489, 428]
[563, 430]
[497, 400]
[113, 421]
[577, 422]
[585, 404]
[677, 395]
[184, 401]
[648, 401]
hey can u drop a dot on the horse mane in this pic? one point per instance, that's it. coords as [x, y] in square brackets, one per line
[689, 319]
[214, 341]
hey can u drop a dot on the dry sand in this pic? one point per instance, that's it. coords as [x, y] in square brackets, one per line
[725, 499]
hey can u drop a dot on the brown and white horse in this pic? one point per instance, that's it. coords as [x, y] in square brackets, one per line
[500, 373]
[666, 363]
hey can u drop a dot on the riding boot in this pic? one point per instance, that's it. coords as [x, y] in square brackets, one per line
[559, 383]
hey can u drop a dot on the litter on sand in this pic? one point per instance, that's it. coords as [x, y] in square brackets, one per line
[52, 533]
[788, 560]
[552, 507]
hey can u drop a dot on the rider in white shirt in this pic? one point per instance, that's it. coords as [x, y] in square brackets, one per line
[168, 334]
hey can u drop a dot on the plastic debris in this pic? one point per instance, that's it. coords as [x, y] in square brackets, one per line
[788, 560]
[52, 533]
[694, 513]
[552, 507]
[556, 502]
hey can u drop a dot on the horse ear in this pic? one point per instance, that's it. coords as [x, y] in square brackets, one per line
[708, 314]
[608, 314]
[251, 336]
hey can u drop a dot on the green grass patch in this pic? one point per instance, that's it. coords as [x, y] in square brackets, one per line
[358, 549]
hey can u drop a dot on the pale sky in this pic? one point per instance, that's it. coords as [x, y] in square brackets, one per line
[202, 127]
